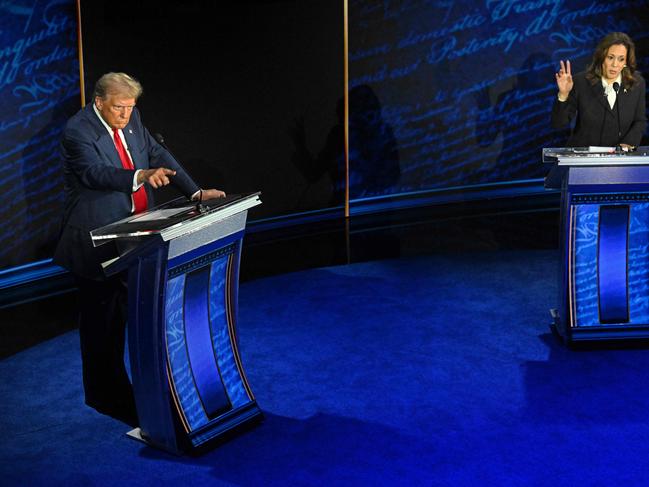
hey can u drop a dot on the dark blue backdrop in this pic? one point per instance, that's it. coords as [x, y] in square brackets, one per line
[443, 94]
[460, 92]
[39, 90]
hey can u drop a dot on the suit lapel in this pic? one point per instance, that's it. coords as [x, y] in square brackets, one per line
[103, 139]
[107, 145]
[598, 93]
[133, 147]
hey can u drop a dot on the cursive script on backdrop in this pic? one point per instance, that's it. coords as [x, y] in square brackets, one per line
[39, 90]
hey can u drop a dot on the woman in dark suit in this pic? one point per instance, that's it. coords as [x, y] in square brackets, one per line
[608, 98]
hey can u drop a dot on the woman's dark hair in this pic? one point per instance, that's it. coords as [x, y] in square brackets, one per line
[594, 71]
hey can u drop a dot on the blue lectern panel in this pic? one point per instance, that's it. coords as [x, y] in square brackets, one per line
[223, 337]
[639, 263]
[181, 374]
[188, 379]
[588, 286]
[199, 344]
[585, 264]
[612, 264]
[204, 365]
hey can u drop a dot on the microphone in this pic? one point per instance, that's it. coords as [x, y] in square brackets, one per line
[616, 88]
[199, 206]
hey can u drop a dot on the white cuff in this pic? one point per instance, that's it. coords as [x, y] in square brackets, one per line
[135, 185]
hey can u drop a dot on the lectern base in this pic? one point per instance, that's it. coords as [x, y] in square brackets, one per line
[216, 432]
[554, 325]
[137, 435]
[603, 333]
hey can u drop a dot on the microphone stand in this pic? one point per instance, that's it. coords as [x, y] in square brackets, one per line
[616, 87]
[200, 207]
[601, 128]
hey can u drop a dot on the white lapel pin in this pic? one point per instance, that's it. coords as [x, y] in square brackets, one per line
[130, 131]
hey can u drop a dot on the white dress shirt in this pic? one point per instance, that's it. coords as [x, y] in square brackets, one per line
[610, 92]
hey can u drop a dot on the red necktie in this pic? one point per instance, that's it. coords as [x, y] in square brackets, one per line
[139, 197]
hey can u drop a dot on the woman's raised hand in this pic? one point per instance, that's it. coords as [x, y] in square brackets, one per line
[564, 80]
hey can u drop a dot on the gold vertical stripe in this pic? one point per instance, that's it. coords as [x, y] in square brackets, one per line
[346, 98]
[170, 378]
[231, 318]
[174, 395]
[80, 47]
[571, 262]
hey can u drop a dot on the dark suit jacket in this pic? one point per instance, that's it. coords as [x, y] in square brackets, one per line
[596, 122]
[97, 187]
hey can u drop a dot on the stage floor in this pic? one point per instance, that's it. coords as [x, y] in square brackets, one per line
[425, 370]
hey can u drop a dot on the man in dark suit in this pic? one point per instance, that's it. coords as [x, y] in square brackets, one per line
[111, 166]
[610, 86]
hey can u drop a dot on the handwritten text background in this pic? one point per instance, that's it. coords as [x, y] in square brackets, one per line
[466, 88]
[39, 91]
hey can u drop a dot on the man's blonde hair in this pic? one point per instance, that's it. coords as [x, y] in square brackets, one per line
[117, 84]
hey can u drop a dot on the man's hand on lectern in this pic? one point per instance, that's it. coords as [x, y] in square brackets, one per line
[209, 194]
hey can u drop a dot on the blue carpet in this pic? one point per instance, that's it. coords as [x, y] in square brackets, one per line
[435, 370]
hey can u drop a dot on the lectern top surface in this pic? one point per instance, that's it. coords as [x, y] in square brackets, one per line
[595, 156]
[175, 213]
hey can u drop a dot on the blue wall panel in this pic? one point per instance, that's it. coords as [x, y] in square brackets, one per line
[456, 93]
[39, 91]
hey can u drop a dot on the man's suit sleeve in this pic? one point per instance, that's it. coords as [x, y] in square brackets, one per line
[639, 124]
[82, 159]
